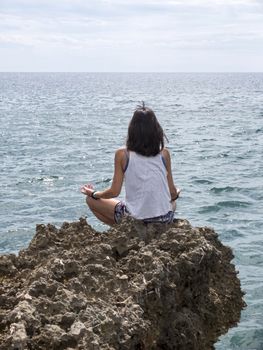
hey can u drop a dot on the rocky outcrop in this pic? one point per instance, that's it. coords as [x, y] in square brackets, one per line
[132, 287]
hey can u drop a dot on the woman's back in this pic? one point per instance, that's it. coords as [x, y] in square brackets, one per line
[150, 190]
[146, 186]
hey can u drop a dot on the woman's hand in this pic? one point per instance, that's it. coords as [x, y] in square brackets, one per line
[173, 201]
[178, 190]
[87, 189]
[175, 197]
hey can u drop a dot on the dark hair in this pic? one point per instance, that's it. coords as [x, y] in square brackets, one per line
[145, 134]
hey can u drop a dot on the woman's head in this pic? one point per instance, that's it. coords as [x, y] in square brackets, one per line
[145, 134]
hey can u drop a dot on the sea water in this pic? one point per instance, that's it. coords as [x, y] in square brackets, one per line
[60, 130]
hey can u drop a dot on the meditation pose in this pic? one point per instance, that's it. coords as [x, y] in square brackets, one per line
[145, 167]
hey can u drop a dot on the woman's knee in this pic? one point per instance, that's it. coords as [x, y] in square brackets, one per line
[93, 204]
[90, 202]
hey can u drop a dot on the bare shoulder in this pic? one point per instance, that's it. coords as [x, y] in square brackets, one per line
[166, 154]
[120, 152]
[120, 157]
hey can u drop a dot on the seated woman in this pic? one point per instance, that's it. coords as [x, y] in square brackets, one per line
[145, 166]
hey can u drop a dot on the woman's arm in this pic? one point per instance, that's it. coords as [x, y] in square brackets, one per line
[117, 181]
[173, 190]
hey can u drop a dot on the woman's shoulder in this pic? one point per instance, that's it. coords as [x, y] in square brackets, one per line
[122, 157]
[121, 151]
[165, 152]
[121, 154]
[166, 157]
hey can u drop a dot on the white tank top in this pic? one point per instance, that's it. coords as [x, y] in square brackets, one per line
[146, 186]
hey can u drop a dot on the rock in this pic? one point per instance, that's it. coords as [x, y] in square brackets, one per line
[67, 319]
[135, 286]
[50, 337]
[22, 311]
[7, 265]
[78, 329]
[18, 336]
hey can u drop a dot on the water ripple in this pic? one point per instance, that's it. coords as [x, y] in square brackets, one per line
[59, 131]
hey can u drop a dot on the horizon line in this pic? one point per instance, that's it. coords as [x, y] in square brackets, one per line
[146, 72]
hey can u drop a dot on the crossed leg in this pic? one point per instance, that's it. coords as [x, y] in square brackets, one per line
[103, 209]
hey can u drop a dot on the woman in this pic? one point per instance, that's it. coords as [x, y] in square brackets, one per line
[145, 166]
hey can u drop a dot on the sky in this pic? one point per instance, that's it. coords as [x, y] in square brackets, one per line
[131, 35]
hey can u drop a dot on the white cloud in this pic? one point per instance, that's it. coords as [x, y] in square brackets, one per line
[116, 27]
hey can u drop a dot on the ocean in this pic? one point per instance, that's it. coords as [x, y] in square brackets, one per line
[60, 130]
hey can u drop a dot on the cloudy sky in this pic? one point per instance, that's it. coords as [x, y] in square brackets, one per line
[131, 35]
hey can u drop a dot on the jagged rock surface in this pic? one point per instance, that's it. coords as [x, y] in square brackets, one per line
[132, 287]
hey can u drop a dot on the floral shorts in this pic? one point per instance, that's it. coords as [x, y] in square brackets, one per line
[121, 210]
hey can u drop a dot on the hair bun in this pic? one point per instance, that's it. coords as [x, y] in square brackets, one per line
[141, 106]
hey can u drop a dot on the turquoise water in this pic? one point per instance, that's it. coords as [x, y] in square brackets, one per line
[60, 130]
